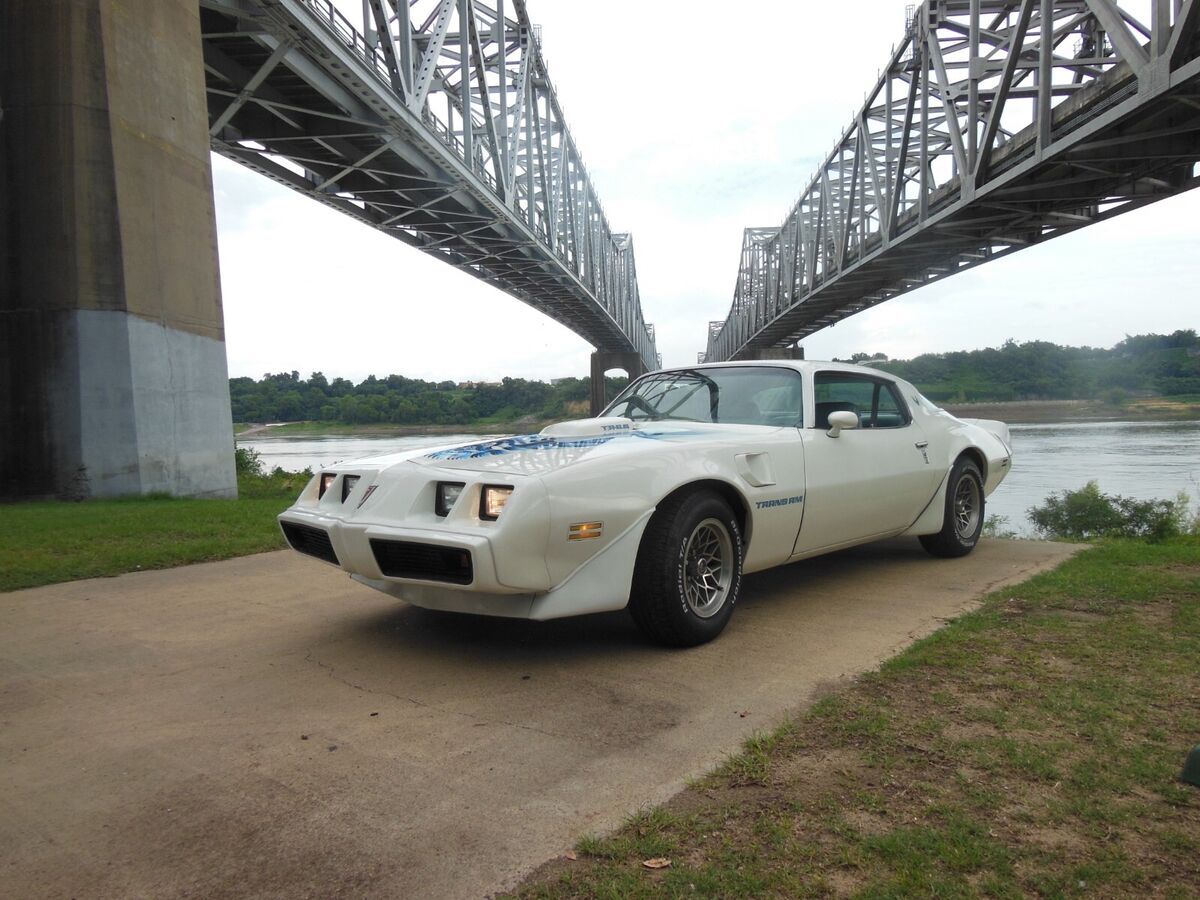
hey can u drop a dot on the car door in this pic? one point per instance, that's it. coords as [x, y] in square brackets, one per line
[868, 481]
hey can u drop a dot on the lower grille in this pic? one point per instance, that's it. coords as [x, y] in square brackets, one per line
[429, 562]
[313, 541]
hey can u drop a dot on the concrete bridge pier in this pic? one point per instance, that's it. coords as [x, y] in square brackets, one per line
[113, 377]
[604, 361]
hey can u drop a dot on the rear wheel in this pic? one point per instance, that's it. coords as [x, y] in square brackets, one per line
[963, 519]
[688, 571]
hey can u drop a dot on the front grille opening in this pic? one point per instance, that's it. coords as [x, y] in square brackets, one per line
[313, 541]
[429, 562]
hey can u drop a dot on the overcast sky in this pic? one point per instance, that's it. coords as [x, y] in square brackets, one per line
[695, 122]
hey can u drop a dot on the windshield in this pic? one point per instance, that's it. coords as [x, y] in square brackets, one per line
[738, 395]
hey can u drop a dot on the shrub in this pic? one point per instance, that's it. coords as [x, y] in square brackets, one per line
[1086, 513]
[1116, 396]
[997, 527]
[247, 461]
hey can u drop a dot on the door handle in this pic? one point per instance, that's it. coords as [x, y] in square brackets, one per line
[921, 445]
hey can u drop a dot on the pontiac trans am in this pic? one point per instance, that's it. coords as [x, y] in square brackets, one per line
[689, 479]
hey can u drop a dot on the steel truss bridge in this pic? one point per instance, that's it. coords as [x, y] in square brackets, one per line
[434, 121]
[996, 124]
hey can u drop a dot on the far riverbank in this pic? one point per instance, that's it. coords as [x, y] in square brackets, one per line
[1036, 412]
[244, 430]
[1016, 412]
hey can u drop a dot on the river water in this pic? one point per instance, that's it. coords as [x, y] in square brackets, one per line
[1145, 460]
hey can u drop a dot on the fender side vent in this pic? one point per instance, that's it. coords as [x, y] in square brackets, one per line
[427, 562]
[309, 540]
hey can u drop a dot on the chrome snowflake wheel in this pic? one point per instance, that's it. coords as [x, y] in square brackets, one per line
[708, 568]
[688, 571]
[967, 506]
[963, 521]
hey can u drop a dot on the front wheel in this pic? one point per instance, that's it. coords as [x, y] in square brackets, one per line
[688, 571]
[963, 519]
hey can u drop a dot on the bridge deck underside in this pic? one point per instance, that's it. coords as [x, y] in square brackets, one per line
[283, 104]
[994, 126]
[1137, 154]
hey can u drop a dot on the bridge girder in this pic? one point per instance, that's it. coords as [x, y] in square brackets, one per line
[436, 122]
[996, 124]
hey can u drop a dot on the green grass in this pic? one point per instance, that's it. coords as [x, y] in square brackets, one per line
[1032, 747]
[46, 543]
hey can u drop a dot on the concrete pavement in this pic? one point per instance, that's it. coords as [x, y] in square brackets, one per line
[263, 726]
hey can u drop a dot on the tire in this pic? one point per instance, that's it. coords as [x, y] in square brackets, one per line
[679, 598]
[962, 521]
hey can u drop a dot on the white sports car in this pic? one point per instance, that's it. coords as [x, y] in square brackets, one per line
[688, 479]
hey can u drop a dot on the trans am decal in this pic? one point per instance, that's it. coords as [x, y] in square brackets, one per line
[783, 501]
[537, 442]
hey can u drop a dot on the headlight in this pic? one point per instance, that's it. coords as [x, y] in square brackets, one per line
[493, 499]
[447, 495]
[348, 483]
[327, 480]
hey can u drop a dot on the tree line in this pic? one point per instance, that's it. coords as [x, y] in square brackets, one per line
[1035, 370]
[286, 397]
[1146, 364]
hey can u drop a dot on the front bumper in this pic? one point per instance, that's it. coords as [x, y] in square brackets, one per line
[602, 584]
[370, 551]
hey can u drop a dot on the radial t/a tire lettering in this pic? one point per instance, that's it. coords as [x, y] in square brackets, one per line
[688, 571]
[962, 522]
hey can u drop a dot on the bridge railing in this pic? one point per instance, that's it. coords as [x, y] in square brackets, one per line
[502, 119]
[975, 94]
[370, 51]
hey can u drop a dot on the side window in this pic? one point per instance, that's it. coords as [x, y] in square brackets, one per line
[876, 403]
[780, 404]
[890, 411]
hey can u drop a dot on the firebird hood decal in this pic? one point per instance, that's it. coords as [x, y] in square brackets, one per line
[537, 442]
[516, 443]
[536, 454]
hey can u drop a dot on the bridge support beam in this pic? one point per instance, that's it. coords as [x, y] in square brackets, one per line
[773, 353]
[630, 363]
[113, 377]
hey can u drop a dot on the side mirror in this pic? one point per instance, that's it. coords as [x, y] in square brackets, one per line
[841, 420]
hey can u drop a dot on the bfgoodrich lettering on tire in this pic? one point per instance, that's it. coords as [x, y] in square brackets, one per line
[688, 571]
[963, 519]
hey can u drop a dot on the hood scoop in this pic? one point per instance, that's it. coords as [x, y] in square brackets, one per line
[605, 426]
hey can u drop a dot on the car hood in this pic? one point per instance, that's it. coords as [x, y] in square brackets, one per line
[569, 443]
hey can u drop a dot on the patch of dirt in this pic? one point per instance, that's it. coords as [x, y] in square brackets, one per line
[843, 882]
[825, 689]
[868, 823]
[818, 770]
[1056, 839]
[1156, 615]
[969, 731]
[1055, 666]
[1184, 569]
[1081, 615]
